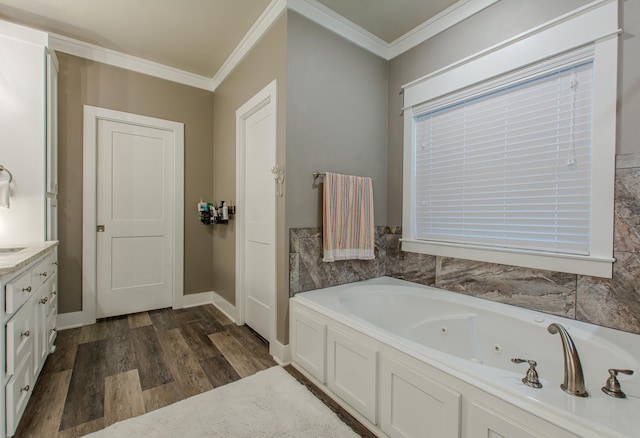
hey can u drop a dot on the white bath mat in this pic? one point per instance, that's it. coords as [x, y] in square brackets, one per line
[270, 403]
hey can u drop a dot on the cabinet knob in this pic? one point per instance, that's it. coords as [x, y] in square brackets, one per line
[54, 293]
[25, 388]
[44, 300]
[26, 334]
[27, 289]
[44, 274]
[55, 263]
[53, 330]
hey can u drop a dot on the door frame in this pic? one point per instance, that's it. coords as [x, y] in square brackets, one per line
[92, 115]
[265, 97]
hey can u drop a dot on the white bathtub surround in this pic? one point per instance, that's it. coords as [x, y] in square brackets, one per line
[270, 403]
[416, 344]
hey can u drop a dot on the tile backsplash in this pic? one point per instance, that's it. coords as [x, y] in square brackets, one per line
[307, 271]
[611, 302]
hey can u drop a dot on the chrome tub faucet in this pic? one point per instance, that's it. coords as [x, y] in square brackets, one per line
[573, 377]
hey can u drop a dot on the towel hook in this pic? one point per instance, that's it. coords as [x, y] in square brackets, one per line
[2, 168]
[278, 175]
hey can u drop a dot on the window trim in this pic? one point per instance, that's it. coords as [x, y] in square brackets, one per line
[595, 23]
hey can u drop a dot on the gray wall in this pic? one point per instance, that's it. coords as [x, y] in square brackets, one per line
[336, 122]
[629, 79]
[493, 25]
[336, 118]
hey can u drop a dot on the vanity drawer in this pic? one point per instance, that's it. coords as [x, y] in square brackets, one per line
[42, 271]
[17, 292]
[53, 296]
[52, 332]
[20, 335]
[18, 392]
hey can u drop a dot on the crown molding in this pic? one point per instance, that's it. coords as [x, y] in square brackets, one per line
[451, 16]
[310, 9]
[118, 59]
[259, 28]
[329, 19]
[319, 13]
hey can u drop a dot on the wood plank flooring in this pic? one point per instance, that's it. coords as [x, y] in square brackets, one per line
[125, 366]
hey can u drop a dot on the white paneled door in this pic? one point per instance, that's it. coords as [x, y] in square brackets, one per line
[257, 144]
[135, 178]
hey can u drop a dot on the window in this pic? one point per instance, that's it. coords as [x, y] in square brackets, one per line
[509, 169]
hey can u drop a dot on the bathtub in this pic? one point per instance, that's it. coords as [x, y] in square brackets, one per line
[466, 345]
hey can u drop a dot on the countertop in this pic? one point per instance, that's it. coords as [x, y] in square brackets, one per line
[11, 261]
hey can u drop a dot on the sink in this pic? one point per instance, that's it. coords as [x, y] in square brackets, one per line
[9, 251]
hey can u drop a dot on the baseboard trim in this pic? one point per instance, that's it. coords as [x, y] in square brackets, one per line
[71, 320]
[281, 353]
[225, 307]
[192, 300]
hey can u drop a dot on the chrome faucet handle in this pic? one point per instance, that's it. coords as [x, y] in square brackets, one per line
[531, 378]
[612, 386]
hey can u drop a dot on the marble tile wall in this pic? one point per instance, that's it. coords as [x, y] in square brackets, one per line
[615, 302]
[611, 302]
[307, 271]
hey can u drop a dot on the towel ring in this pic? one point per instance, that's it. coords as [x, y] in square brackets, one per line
[2, 168]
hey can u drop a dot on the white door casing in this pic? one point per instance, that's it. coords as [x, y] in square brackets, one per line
[174, 204]
[256, 214]
[134, 195]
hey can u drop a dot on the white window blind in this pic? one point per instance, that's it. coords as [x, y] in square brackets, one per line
[508, 164]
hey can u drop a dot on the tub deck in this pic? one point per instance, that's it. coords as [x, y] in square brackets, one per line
[474, 340]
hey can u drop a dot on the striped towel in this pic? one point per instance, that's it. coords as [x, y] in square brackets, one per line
[347, 218]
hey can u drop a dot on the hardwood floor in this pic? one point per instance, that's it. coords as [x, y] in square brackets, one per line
[125, 366]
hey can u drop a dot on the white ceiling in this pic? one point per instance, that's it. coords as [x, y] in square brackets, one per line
[196, 36]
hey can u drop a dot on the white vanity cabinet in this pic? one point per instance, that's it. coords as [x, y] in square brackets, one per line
[46, 273]
[29, 312]
[28, 122]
